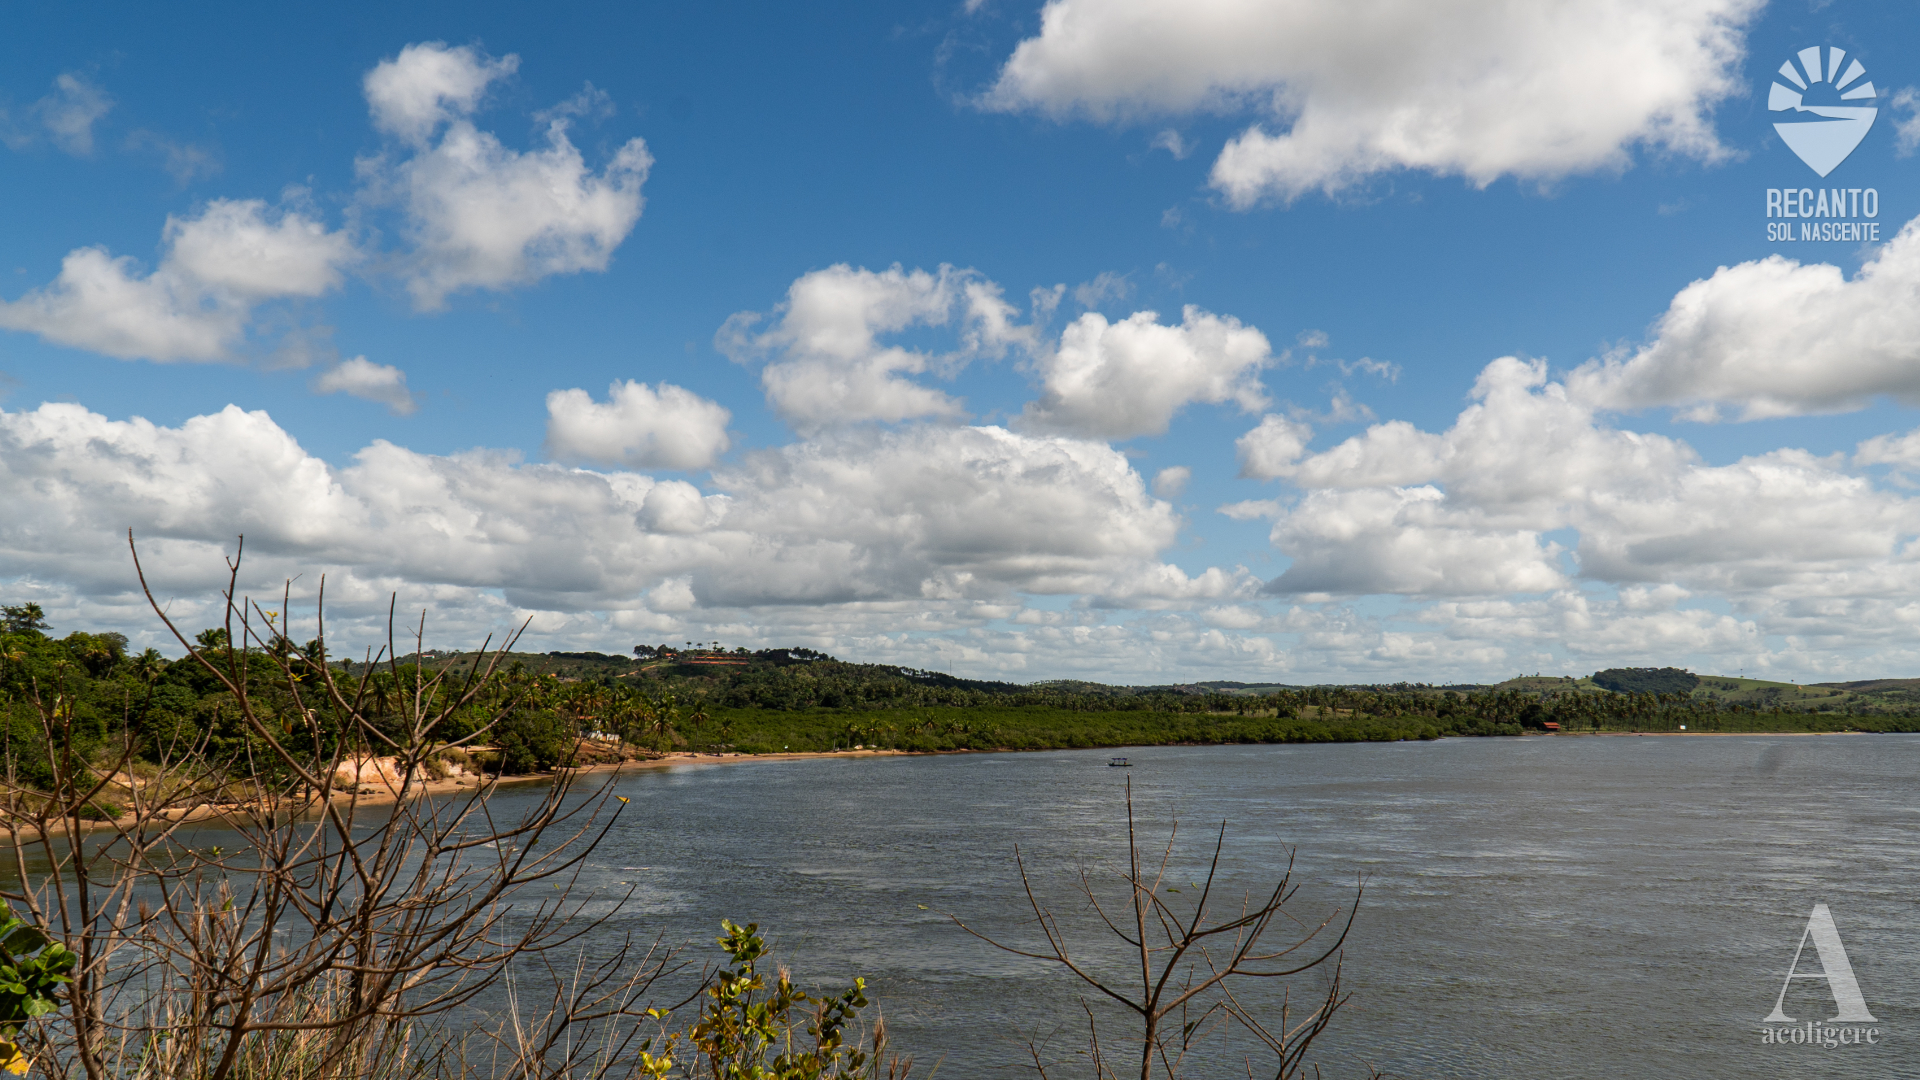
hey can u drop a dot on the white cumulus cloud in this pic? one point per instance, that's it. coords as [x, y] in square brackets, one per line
[930, 545]
[639, 426]
[828, 358]
[1467, 511]
[1474, 88]
[938, 512]
[243, 248]
[362, 378]
[1271, 449]
[936, 520]
[198, 303]
[1119, 380]
[826, 363]
[474, 214]
[480, 214]
[1775, 337]
[430, 84]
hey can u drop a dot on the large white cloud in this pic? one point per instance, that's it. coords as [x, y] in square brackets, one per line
[950, 516]
[638, 427]
[1475, 88]
[1467, 511]
[946, 513]
[1410, 541]
[940, 546]
[480, 214]
[1775, 337]
[198, 303]
[1118, 380]
[826, 363]
[77, 481]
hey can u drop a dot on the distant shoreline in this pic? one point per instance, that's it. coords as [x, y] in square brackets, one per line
[1725, 734]
[376, 794]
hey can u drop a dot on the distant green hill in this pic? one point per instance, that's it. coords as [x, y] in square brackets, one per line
[710, 698]
[1870, 697]
[802, 678]
[1646, 680]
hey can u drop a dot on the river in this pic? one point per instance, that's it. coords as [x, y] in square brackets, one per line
[1537, 907]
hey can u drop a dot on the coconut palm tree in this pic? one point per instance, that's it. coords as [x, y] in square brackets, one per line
[149, 666]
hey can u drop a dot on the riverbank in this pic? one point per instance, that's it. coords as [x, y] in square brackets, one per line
[1719, 734]
[370, 794]
[385, 791]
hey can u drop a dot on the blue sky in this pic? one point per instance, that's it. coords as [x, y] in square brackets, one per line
[1342, 216]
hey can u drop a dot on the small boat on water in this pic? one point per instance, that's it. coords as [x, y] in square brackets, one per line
[1119, 763]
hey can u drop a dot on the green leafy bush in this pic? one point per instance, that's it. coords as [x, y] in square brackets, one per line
[749, 1027]
[33, 967]
[533, 741]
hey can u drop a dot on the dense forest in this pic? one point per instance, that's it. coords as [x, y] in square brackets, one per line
[558, 705]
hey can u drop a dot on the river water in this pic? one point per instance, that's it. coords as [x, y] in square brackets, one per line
[1537, 907]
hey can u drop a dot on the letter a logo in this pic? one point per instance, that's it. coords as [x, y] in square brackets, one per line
[1835, 968]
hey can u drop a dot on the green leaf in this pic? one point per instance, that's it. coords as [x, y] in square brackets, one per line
[26, 939]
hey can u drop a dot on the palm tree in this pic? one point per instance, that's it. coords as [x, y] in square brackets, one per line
[149, 666]
[698, 719]
[662, 720]
[22, 618]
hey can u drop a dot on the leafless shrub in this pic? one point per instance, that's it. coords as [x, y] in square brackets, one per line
[1188, 968]
[338, 938]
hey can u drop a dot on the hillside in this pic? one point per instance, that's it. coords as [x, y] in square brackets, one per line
[802, 678]
[546, 707]
[1888, 697]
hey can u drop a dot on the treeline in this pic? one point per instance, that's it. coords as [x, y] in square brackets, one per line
[827, 704]
[774, 700]
[1458, 711]
[988, 727]
[832, 684]
[108, 698]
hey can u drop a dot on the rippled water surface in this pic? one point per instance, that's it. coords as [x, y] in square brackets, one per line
[1540, 907]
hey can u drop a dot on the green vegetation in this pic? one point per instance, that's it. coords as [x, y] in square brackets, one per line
[33, 968]
[797, 700]
[750, 1029]
[542, 705]
[1040, 727]
[1664, 680]
[274, 961]
[274, 956]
